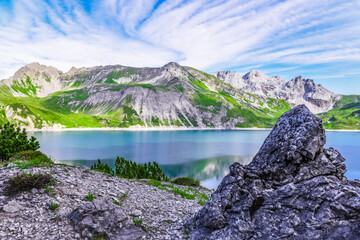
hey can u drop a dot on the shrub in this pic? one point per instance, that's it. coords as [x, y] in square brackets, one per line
[13, 140]
[25, 182]
[187, 181]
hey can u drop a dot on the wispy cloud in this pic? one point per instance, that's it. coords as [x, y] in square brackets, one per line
[210, 35]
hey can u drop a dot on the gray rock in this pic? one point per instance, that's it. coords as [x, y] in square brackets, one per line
[34, 191]
[293, 189]
[296, 91]
[136, 213]
[12, 207]
[104, 217]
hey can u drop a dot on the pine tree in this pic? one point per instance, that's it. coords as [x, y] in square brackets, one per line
[13, 140]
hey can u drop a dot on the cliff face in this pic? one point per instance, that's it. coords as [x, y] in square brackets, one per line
[293, 189]
[296, 91]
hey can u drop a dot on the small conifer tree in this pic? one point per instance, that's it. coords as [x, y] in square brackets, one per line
[13, 140]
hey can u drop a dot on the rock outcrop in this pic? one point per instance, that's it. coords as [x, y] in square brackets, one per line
[106, 218]
[297, 91]
[293, 189]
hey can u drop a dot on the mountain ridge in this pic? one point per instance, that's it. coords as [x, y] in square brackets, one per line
[43, 97]
[296, 91]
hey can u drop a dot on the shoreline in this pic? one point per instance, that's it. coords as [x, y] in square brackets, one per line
[167, 129]
[142, 129]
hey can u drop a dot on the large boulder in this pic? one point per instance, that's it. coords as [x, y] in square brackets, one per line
[293, 189]
[102, 217]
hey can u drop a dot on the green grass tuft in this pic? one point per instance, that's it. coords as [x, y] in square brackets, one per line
[53, 206]
[90, 197]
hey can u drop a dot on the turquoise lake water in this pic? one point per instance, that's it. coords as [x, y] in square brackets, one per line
[205, 155]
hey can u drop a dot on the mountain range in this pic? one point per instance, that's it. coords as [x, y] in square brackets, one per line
[42, 97]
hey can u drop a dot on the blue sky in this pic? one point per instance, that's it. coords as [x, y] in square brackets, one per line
[316, 39]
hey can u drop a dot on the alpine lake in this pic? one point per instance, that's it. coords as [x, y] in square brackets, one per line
[202, 154]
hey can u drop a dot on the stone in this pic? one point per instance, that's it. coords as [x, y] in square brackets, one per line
[12, 208]
[294, 188]
[136, 213]
[34, 191]
[104, 217]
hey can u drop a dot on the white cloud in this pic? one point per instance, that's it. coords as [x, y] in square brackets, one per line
[210, 35]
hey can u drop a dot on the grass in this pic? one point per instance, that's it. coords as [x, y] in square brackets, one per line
[29, 159]
[183, 193]
[188, 193]
[137, 222]
[76, 84]
[154, 183]
[122, 198]
[53, 206]
[48, 189]
[90, 197]
[202, 198]
[345, 114]
[99, 236]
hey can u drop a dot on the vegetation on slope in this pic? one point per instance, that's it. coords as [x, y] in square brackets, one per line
[77, 107]
[238, 106]
[345, 114]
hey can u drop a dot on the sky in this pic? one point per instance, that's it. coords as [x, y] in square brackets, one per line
[318, 39]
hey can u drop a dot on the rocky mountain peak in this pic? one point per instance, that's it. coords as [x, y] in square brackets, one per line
[72, 71]
[171, 65]
[292, 186]
[255, 75]
[34, 79]
[296, 91]
[34, 69]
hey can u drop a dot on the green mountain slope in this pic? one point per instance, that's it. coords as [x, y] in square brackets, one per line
[118, 96]
[41, 97]
[344, 115]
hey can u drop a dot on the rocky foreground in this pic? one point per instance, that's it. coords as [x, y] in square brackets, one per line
[158, 213]
[293, 189]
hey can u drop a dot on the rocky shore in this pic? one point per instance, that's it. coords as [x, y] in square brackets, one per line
[157, 212]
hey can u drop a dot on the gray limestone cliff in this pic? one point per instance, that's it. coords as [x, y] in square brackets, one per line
[293, 189]
[296, 91]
